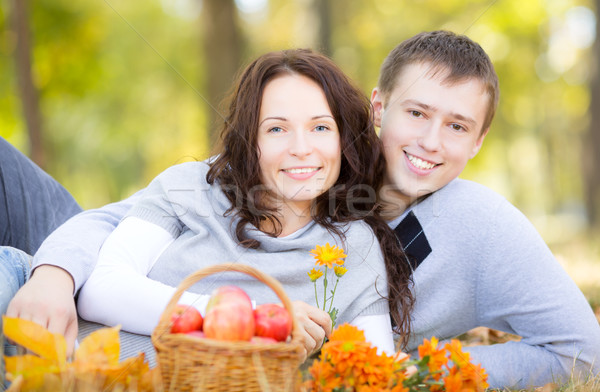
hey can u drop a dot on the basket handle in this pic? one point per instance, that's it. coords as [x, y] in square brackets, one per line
[193, 278]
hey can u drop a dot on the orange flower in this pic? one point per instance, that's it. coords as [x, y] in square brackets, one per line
[314, 274]
[453, 383]
[474, 377]
[347, 332]
[437, 357]
[349, 363]
[328, 255]
[457, 355]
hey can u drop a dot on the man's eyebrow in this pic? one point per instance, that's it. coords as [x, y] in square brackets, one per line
[412, 102]
[466, 119]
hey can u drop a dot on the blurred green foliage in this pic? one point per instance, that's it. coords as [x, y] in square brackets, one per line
[121, 85]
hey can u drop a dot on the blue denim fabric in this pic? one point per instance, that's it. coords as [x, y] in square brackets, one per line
[32, 204]
[15, 267]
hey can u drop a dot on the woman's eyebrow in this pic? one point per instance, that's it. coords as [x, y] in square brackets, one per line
[273, 118]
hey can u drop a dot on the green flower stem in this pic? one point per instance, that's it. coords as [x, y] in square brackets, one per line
[316, 296]
[325, 288]
[333, 294]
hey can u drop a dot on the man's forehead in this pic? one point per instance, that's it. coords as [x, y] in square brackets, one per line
[411, 73]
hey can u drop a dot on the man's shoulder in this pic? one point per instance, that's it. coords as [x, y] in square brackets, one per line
[465, 200]
[469, 190]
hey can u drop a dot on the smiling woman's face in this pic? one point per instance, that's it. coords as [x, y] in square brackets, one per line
[298, 141]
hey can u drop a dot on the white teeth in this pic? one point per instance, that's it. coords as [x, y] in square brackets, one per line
[419, 163]
[301, 170]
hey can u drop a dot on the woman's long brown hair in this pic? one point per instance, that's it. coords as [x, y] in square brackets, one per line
[353, 197]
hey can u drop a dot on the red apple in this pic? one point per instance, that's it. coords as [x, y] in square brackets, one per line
[272, 321]
[229, 315]
[185, 318]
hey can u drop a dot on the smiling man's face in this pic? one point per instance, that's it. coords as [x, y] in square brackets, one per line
[430, 129]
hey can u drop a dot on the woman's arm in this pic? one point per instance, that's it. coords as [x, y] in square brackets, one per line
[378, 331]
[118, 291]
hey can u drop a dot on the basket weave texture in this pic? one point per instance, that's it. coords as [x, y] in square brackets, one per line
[189, 363]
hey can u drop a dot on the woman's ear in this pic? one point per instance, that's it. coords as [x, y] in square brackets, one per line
[377, 102]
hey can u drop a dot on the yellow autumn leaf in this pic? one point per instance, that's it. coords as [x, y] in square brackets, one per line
[36, 338]
[31, 371]
[131, 370]
[100, 347]
[22, 363]
[126, 371]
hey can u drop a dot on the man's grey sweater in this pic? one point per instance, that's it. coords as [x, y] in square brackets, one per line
[482, 263]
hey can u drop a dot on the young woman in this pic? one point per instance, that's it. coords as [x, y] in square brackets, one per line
[298, 160]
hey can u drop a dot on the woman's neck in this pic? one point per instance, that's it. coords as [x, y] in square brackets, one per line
[291, 217]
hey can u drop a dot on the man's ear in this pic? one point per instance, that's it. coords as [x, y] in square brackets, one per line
[377, 102]
[478, 143]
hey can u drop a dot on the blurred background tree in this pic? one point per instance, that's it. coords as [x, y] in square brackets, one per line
[107, 94]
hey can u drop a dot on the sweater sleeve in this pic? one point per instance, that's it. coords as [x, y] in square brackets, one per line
[74, 246]
[119, 291]
[523, 290]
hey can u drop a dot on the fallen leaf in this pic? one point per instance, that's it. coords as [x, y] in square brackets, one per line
[100, 347]
[36, 338]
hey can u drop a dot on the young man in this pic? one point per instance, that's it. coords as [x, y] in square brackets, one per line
[475, 256]
[477, 260]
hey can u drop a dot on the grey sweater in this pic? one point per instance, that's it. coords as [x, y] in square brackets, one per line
[180, 201]
[484, 264]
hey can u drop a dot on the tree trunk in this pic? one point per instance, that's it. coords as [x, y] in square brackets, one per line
[222, 50]
[323, 11]
[591, 147]
[29, 93]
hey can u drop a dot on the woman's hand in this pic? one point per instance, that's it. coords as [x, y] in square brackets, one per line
[314, 325]
[47, 299]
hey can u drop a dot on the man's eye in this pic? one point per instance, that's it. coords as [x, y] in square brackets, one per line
[416, 113]
[457, 127]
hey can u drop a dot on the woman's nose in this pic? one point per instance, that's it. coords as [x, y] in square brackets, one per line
[301, 144]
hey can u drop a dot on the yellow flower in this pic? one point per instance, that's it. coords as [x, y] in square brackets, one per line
[314, 274]
[339, 270]
[328, 255]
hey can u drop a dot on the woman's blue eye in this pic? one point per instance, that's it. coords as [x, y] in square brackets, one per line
[275, 130]
[321, 128]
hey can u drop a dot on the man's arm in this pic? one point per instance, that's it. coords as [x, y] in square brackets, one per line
[523, 290]
[62, 264]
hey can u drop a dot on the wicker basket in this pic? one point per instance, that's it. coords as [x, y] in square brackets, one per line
[195, 364]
